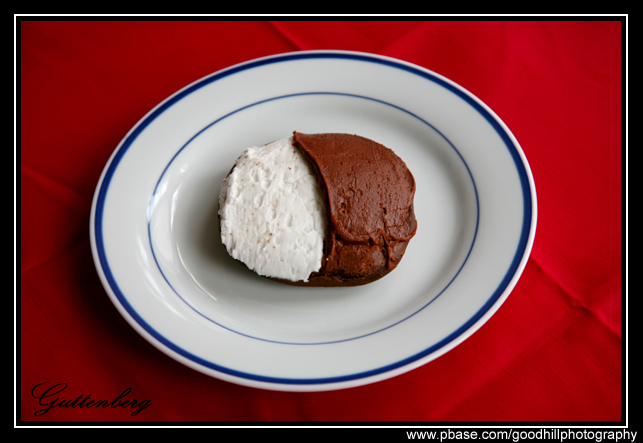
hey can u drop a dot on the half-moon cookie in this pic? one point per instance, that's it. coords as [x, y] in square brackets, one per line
[318, 210]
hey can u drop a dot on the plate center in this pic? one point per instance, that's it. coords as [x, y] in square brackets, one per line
[185, 236]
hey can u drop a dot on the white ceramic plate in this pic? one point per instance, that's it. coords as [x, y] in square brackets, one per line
[157, 248]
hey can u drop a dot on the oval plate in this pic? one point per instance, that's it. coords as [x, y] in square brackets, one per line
[156, 241]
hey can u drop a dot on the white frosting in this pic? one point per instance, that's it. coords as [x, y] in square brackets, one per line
[272, 212]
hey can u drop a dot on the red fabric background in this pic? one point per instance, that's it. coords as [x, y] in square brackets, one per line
[553, 352]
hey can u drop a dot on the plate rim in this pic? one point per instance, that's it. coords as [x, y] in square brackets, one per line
[503, 289]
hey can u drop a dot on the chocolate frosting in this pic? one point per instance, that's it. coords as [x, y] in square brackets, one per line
[369, 200]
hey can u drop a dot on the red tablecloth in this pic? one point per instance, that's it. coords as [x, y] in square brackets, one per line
[553, 352]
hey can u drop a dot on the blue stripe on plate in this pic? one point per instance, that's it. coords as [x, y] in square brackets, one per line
[150, 209]
[522, 245]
